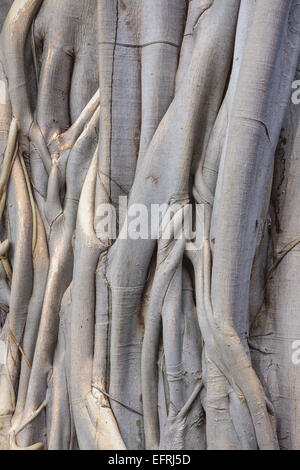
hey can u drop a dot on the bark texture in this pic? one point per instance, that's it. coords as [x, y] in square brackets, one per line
[114, 342]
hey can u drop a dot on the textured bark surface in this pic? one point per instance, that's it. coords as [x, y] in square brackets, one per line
[112, 342]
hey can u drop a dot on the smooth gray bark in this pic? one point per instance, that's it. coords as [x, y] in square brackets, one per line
[113, 343]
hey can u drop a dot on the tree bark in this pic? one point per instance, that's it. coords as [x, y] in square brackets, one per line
[159, 341]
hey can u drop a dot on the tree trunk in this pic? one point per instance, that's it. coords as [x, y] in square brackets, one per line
[149, 235]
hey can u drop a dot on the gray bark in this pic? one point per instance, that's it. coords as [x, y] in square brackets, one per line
[121, 343]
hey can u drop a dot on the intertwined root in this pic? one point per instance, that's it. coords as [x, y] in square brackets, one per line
[115, 344]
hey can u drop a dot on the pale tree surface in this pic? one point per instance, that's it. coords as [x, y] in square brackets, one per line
[115, 342]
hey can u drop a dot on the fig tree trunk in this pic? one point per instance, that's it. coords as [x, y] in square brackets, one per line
[149, 224]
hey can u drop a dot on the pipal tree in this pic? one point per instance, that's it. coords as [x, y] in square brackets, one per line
[111, 341]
